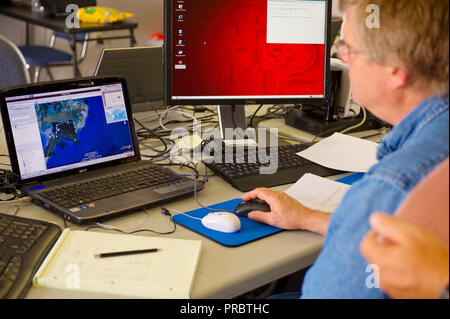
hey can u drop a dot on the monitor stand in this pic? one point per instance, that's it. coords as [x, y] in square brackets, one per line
[233, 126]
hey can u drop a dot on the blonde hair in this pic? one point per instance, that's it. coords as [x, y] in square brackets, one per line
[412, 33]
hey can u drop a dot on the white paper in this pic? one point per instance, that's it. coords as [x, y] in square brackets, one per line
[343, 152]
[318, 193]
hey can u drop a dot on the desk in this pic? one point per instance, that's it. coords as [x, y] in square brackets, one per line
[222, 272]
[59, 24]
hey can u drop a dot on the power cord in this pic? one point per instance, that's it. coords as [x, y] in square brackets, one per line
[345, 130]
[357, 125]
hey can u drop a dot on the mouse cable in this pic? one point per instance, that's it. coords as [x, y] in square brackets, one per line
[185, 214]
[195, 192]
[164, 211]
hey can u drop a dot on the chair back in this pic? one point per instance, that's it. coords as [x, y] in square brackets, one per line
[13, 68]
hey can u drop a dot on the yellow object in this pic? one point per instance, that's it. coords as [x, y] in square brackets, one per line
[101, 15]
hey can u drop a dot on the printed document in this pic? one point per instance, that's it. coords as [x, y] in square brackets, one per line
[318, 193]
[343, 152]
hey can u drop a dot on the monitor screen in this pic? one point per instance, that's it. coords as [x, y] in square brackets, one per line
[246, 51]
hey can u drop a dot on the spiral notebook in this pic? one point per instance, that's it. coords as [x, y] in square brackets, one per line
[166, 274]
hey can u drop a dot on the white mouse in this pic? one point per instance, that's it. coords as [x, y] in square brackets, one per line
[222, 221]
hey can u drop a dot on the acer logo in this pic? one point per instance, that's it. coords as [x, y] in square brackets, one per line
[82, 171]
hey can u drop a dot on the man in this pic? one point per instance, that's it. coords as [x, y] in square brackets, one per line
[399, 72]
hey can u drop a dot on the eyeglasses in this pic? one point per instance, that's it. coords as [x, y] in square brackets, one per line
[345, 51]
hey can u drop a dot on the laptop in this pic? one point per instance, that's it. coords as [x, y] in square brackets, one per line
[74, 147]
[142, 68]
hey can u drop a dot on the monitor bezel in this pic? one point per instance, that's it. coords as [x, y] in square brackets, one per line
[168, 100]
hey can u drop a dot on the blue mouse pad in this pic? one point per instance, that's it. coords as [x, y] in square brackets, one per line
[351, 178]
[250, 230]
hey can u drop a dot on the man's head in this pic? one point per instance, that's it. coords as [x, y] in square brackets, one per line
[404, 57]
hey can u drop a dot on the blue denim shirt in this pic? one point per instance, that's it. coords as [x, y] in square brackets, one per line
[406, 155]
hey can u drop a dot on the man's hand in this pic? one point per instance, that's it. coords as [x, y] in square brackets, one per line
[412, 262]
[286, 212]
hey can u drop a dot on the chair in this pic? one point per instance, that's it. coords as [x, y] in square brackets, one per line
[13, 70]
[39, 56]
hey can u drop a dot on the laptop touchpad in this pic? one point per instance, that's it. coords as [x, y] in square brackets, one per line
[123, 201]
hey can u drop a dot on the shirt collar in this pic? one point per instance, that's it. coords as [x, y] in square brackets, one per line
[428, 108]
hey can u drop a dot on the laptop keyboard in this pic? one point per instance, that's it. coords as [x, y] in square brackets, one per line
[85, 192]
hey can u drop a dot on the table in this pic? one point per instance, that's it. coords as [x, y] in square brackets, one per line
[223, 272]
[59, 24]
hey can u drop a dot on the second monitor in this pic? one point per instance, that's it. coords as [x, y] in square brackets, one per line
[142, 68]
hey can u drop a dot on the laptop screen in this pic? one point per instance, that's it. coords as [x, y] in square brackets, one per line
[63, 130]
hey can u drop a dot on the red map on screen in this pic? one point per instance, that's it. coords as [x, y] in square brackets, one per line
[224, 52]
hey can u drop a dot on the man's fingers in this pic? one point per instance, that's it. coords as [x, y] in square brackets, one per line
[261, 217]
[262, 193]
[370, 247]
[389, 227]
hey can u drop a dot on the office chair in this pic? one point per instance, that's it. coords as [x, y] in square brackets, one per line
[39, 56]
[13, 70]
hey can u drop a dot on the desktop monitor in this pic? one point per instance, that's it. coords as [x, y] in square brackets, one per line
[233, 52]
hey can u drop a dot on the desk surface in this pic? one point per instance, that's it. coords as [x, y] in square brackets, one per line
[59, 23]
[222, 272]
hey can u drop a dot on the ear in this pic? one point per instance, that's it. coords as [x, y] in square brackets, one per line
[397, 78]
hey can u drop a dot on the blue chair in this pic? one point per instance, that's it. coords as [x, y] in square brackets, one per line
[13, 70]
[39, 56]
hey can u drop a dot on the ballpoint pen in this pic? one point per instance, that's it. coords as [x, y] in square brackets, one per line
[123, 253]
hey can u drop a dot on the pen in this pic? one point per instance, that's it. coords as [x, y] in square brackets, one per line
[123, 253]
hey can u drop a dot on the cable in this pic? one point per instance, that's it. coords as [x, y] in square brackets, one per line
[195, 193]
[357, 125]
[15, 201]
[153, 134]
[9, 185]
[345, 130]
[187, 215]
[171, 109]
[164, 211]
[254, 114]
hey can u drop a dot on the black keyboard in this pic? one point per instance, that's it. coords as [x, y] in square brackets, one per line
[244, 174]
[24, 244]
[88, 191]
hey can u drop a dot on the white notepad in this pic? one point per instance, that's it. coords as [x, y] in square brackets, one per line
[166, 274]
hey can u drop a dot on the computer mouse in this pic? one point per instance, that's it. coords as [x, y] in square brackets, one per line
[245, 207]
[222, 221]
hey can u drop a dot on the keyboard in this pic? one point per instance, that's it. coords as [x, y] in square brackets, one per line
[88, 191]
[244, 174]
[24, 244]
